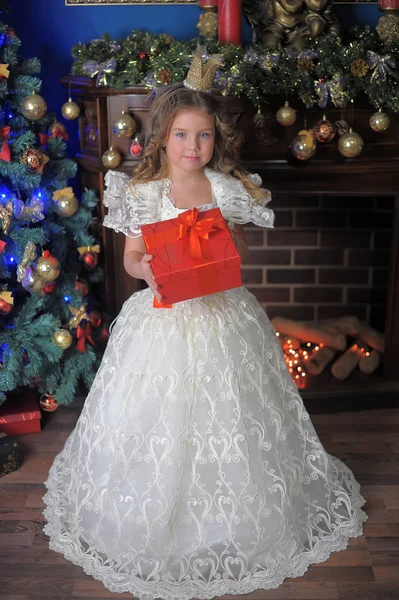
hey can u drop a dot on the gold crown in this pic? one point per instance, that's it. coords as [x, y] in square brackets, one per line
[200, 78]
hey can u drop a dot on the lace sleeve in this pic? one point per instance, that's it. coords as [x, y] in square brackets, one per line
[238, 206]
[126, 211]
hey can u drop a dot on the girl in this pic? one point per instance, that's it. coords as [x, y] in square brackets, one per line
[194, 470]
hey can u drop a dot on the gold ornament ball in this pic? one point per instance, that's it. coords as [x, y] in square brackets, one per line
[124, 126]
[350, 144]
[303, 145]
[66, 206]
[48, 268]
[388, 28]
[379, 121]
[70, 110]
[208, 25]
[48, 403]
[111, 159]
[62, 338]
[54, 126]
[33, 107]
[32, 282]
[286, 115]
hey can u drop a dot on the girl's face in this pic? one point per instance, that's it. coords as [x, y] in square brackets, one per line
[191, 141]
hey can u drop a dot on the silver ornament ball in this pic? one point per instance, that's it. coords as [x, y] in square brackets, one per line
[379, 121]
[350, 144]
[303, 146]
[286, 115]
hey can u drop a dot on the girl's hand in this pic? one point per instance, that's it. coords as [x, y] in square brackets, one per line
[148, 276]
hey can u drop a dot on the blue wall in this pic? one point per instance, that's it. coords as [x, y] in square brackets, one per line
[48, 29]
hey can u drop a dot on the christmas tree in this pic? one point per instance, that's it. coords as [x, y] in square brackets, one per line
[46, 242]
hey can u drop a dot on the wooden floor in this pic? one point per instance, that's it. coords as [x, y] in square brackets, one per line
[368, 570]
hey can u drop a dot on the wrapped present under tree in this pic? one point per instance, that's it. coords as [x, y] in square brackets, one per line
[9, 455]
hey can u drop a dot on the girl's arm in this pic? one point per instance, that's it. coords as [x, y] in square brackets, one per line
[237, 232]
[137, 263]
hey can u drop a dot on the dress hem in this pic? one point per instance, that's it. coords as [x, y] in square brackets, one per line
[75, 554]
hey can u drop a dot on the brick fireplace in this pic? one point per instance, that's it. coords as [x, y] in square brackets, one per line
[328, 256]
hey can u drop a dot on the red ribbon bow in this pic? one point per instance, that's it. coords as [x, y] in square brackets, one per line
[197, 230]
[5, 153]
[188, 225]
[56, 133]
[82, 335]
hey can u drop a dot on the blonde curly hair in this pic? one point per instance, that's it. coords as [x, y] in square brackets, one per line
[154, 163]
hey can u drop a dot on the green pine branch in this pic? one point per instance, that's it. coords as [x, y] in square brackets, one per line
[255, 72]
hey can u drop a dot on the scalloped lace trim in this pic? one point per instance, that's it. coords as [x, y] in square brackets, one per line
[92, 564]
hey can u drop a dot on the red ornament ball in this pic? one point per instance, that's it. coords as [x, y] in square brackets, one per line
[135, 149]
[49, 288]
[94, 318]
[90, 259]
[143, 55]
[48, 403]
[82, 287]
[5, 307]
[104, 333]
[324, 131]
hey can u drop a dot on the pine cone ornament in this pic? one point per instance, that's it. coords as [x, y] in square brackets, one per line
[359, 68]
[165, 76]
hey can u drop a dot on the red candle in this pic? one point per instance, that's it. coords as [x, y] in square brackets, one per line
[389, 5]
[208, 3]
[230, 22]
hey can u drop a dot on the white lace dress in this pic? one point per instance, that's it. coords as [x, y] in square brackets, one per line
[194, 470]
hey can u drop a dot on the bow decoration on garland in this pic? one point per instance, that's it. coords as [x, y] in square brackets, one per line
[85, 249]
[55, 134]
[6, 296]
[269, 61]
[93, 68]
[4, 72]
[332, 88]
[381, 66]
[5, 153]
[32, 212]
[65, 192]
[83, 335]
[28, 257]
[6, 212]
[78, 315]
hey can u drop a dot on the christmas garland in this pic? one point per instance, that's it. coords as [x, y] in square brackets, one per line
[330, 69]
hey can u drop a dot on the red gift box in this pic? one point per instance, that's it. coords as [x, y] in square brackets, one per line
[193, 255]
[20, 415]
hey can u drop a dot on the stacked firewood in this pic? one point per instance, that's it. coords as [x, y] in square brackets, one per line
[351, 343]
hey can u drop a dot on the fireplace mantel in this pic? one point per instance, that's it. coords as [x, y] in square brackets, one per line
[375, 172]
